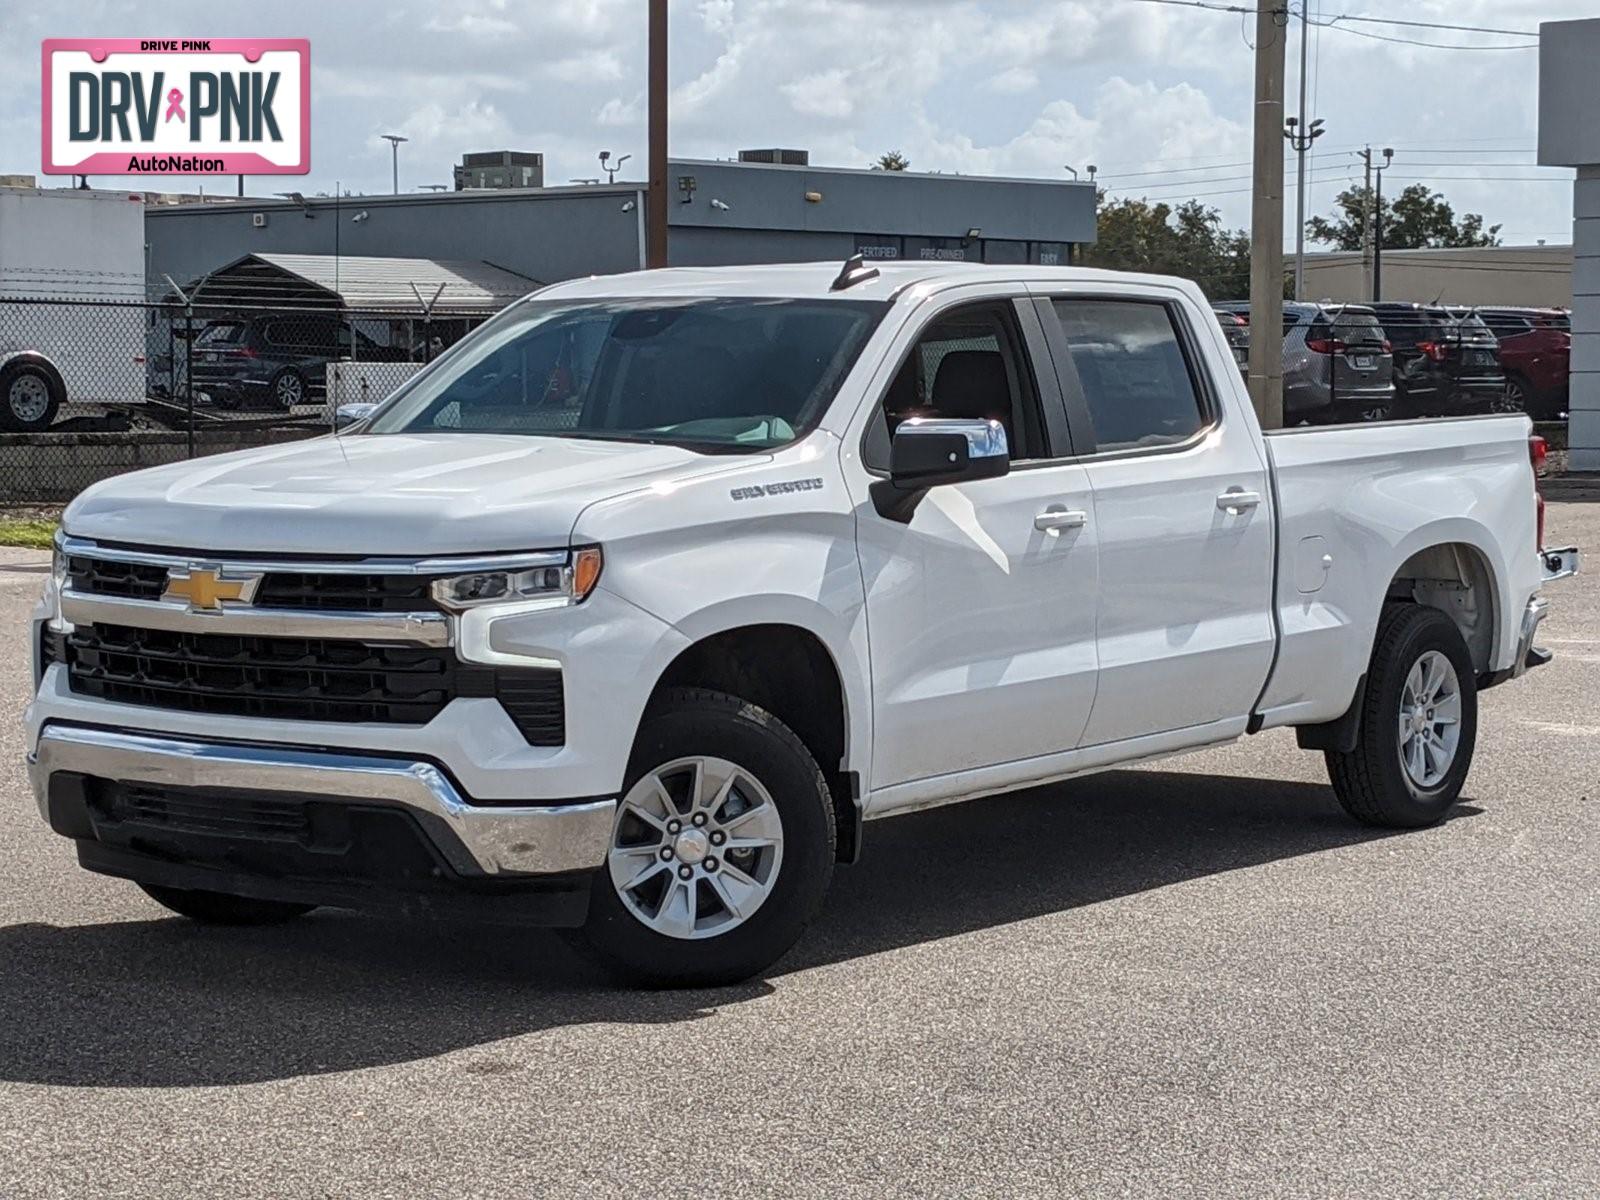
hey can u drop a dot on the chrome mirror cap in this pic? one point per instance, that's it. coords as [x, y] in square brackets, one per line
[347, 415]
[985, 439]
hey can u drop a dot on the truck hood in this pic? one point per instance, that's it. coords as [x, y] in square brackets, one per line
[388, 494]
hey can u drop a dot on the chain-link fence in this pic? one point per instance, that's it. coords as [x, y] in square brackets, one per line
[92, 388]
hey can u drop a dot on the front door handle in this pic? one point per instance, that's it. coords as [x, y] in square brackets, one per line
[1236, 500]
[1054, 520]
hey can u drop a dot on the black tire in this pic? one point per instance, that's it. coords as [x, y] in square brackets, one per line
[288, 389]
[694, 722]
[218, 908]
[1371, 782]
[34, 379]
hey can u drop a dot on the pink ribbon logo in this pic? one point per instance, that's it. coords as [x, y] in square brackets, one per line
[175, 105]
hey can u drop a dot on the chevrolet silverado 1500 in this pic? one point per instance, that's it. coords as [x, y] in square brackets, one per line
[628, 612]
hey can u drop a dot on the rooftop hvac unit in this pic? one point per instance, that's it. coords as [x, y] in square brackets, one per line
[785, 158]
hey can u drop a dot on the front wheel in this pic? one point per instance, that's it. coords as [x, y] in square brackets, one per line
[722, 849]
[218, 908]
[1418, 727]
[1512, 400]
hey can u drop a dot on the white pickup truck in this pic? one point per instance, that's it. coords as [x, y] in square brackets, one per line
[628, 612]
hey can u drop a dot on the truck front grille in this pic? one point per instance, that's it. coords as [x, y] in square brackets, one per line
[332, 591]
[292, 679]
[300, 679]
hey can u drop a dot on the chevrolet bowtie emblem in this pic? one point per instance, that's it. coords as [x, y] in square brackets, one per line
[205, 589]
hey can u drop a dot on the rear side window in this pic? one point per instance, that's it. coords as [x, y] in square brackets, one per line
[1135, 378]
[1353, 329]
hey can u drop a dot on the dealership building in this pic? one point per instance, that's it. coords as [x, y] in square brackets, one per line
[719, 212]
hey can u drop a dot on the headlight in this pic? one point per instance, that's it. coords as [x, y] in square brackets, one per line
[562, 585]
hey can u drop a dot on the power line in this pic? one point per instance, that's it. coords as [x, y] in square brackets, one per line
[1405, 41]
[1431, 25]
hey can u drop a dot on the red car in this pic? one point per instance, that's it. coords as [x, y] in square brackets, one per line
[1535, 350]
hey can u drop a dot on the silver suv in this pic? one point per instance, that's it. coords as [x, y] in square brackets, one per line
[1337, 363]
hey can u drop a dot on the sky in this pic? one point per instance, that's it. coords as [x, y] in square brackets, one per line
[1156, 94]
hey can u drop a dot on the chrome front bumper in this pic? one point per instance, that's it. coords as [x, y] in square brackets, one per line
[475, 840]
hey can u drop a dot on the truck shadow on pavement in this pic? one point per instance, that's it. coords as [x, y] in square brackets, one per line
[163, 1003]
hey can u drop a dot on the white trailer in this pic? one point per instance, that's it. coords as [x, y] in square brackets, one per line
[72, 325]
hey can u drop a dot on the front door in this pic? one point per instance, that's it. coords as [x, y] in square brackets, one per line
[981, 609]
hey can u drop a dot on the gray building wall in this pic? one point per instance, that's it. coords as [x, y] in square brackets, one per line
[1569, 95]
[770, 197]
[560, 233]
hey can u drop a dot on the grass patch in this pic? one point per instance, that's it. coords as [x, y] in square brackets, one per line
[36, 535]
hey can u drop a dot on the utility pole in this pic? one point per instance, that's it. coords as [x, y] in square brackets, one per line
[1377, 228]
[1366, 225]
[656, 214]
[1301, 136]
[1266, 220]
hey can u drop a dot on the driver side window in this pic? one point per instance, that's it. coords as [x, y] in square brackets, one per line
[967, 364]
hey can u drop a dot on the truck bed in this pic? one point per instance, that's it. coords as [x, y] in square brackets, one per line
[1354, 504]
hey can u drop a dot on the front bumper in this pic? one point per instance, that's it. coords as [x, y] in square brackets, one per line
[223, 817]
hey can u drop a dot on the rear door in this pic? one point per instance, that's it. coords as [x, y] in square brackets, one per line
[1183, 515]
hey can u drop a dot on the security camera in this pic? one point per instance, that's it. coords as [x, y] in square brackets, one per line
[721, 205]
[628, 206]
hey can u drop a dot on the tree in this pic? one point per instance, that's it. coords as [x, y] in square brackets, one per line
[892, 161]
[1189, 241]
[1418, 218]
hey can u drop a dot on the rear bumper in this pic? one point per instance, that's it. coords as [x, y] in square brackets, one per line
[1555, 565]
[285, 823]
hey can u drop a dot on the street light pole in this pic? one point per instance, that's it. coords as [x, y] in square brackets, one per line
[1266, 219]
[1301, 136]
[394, 140]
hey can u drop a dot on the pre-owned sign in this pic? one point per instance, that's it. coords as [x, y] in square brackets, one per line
[212, 106]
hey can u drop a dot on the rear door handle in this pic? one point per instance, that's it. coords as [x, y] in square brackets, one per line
[1236, 500]
[1054, 520]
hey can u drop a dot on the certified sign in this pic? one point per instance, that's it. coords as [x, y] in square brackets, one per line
[217, 106]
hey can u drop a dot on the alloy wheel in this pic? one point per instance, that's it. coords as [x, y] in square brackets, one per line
[696, 848]
[290, 391]
[1430, 720]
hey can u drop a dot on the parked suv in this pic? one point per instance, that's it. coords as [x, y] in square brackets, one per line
[1236, 328]
[1536, 354]
[277, 358]
[1336, 362]
[1444, 363]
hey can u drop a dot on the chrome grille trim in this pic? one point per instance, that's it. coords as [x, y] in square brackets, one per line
[464, 564]
[420, 628]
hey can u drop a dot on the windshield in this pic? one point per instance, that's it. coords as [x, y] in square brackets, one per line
[720, 374]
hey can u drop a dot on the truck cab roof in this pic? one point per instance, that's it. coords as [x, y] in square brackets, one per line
[815, 279]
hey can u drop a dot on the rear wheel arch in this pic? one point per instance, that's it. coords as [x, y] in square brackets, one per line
[1458, 579]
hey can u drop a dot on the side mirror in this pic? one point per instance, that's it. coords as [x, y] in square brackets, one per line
[347, 415]
[929, 452]
[932, 452]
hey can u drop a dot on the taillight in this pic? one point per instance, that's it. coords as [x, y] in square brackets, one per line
[1388, 346]
[247, 352]
[1538, 451]
[1324, 346]
[1437, 351]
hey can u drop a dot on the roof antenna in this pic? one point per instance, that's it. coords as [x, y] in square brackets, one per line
[854, 271]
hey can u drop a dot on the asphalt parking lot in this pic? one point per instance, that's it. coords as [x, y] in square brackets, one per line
[1197, 978]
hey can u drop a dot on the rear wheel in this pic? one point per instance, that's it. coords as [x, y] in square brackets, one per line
[288, 389]
[29, 397]
[1418, 723]
[218, 908]
[722, 850]
[1513, 399]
